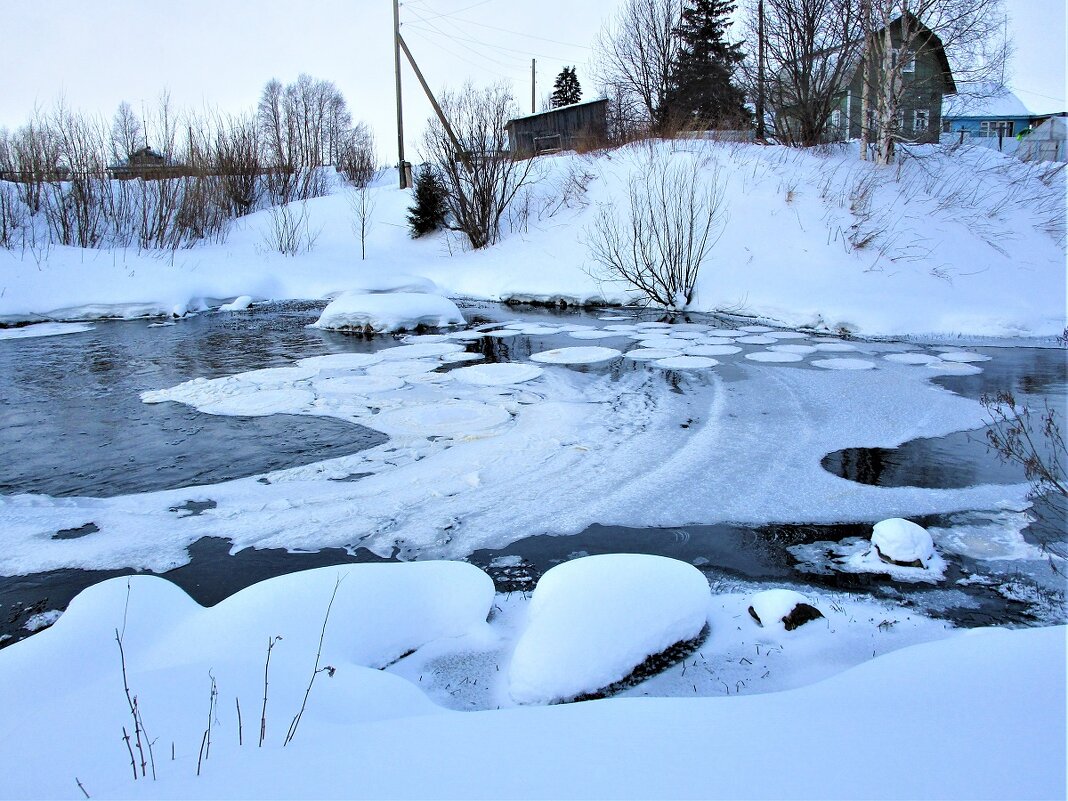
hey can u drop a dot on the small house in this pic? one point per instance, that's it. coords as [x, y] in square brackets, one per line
[145, 163]
[926, 78]
[985, 112]
[565, 128]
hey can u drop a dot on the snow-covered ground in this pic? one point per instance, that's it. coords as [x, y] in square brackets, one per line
[630, 423]
[976, 714]
[966, 242]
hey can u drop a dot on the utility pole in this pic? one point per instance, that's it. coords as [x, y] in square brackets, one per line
[761, 135]
[532, 84]
[400, 113]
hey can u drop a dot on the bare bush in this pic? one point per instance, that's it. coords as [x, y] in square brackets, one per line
[1034, 441]
[658, 242]
[481, 177]
[362, 204]
[357, 158]
[289, 232]
[238, 163]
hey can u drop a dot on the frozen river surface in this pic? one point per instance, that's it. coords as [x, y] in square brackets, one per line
[527, 439]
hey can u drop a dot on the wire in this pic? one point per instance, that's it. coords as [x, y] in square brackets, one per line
[457, 11]
[458, 37]
[430, 41]
[507, 65]
[527, 35]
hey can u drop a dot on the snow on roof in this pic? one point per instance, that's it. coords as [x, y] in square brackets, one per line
[985, 102]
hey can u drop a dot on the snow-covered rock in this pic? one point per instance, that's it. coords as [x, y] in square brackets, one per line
[398, 311]
[902, 542]
[782, 609]
[593, 620]
[239, 303]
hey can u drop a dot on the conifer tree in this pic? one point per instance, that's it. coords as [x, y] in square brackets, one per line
[429, 212]
[566, 89]
[701, 86]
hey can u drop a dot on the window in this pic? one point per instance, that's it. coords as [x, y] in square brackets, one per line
[921, 119]
[986, 128]
[836, 118]
[909, 64]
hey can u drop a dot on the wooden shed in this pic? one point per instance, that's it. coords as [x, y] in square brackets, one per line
[564, 128]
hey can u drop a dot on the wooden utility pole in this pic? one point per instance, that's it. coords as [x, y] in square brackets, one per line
[400, 113]
[761, 135]
[533, 82]
[460, 152]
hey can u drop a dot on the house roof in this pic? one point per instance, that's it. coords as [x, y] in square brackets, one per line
[555, 110]
[984, 101]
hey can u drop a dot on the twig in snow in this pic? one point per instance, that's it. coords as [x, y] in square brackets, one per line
[266, 667]
[316, 670]
[80, 787]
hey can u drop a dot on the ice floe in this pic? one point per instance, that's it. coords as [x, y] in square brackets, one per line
[386, 312]
[497, 374]
[589, 355]
[844, 364]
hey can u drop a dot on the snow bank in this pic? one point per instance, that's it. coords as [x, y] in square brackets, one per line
[381, 313]
[593, 620]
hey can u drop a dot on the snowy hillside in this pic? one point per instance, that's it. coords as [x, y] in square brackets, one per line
[950, 242]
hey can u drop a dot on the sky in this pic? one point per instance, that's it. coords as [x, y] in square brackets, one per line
[218, 54]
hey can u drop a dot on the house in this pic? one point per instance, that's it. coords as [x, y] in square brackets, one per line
[148, 164]
[926, 77]
[985, 111]
[565, 128]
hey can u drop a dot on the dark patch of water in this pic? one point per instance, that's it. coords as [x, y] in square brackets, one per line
[1036, 376]
[72, 422]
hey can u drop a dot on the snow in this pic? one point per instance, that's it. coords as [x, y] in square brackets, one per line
[593, 620]
[237, 304]
[590, 355]
[773, 356]
[649, 354]
[382, 312]
[771, 606]
[498, 374]
[707, 350]
[44, 330]
[685, 362]
[826, 283]
[376, 733]
[902, 540]
[844, 364]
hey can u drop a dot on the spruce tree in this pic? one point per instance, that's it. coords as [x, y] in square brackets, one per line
[701, 87]
[566, 89]
[430, 209]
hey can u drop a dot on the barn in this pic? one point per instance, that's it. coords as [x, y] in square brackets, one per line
[578, 125]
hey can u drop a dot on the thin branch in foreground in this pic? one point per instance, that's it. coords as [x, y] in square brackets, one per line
[316, 670]
[266, 667]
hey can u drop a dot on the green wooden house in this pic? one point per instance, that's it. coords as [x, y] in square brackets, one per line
[926, 76]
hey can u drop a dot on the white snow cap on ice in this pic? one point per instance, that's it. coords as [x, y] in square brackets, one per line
[903, 541]
[497, 374]
[590, 355]
[398, 311]
[593, 620]
[239, 303]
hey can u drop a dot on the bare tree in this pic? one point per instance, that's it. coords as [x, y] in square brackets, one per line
[126, 133]
[658, 242]
[811, 50]
[237, 161]
[362, 203]
[635, 54]
[357, 157]
[480, 175]
[971, 33]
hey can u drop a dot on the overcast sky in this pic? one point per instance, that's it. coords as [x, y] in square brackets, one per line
[220, 53]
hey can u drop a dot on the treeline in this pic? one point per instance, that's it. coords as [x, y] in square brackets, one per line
[170, 179]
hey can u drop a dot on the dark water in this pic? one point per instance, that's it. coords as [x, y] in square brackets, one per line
[1035, 376]
[71, 422]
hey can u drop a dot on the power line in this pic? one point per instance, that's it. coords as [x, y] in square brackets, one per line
[507, 65]
[527, 35]
[457, 11]
[489, 45]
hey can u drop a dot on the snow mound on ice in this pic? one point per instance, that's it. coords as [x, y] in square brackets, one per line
[685, 362]
[835, 347]
[595, 333]
[954, 368]
[757, 340]
[901, 540]
[449, 419]
[844, 364]
[911, 358]
[400, 311]
[593, 620]
[239, 303]
[590, 355]
[421, 351]
[358, 385]
[498, 374]
[341, 361]
[711, 350]
[647, 354]
[773, 356]
[44, 330]
[964, 356]
[804, 350]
